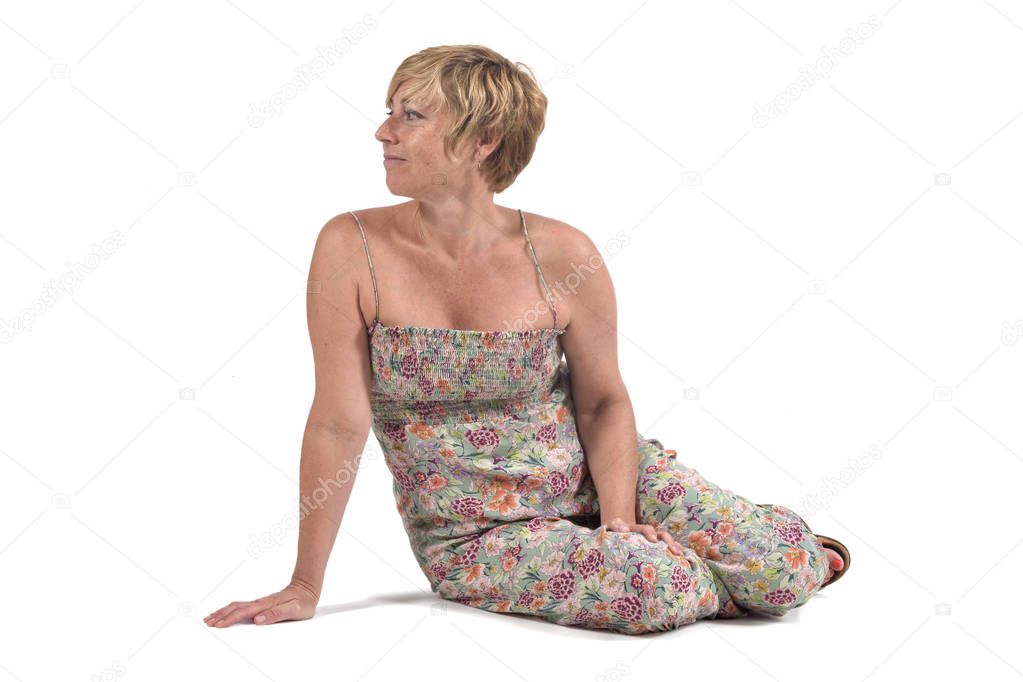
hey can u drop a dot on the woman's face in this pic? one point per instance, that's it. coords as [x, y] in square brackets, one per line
[414, 132]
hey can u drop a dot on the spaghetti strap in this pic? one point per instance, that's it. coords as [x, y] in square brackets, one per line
[372, 274]
[550, 299]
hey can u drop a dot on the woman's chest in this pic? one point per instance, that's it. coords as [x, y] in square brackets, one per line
[433, 364]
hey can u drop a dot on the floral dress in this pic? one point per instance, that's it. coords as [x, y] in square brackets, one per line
[478, 430]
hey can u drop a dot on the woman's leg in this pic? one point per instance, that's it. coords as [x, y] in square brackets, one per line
[765, 555]
[574, 575]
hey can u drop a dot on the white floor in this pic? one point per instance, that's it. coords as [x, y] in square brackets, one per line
[80, 609]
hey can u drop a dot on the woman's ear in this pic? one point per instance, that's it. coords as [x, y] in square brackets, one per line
[487, 144]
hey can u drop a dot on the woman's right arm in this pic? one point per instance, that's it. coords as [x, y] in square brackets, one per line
[336, 430]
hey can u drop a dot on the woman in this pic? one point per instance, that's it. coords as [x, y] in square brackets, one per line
[481, 423]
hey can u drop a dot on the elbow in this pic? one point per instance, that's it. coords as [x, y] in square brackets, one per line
[602, 403]
[339, 419]
[339, 432]
[352, 426]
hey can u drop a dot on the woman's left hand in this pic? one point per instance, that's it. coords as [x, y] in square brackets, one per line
[652, 532]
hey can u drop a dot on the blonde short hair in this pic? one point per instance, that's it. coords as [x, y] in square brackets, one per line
[487, 95]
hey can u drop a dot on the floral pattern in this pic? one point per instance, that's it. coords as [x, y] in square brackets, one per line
[490, 479]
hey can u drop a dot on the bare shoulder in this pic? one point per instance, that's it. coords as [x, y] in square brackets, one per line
[339, 245]
[559, 244]
[344, 224]
[339, 229]
[564, 251]
[341, 235]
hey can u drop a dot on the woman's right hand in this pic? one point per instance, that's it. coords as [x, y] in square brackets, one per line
[295, 602]
[654, 532]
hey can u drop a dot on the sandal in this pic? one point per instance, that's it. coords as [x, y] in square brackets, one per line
[841, 550]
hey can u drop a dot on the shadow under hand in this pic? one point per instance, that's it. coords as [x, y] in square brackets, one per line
[410, 597]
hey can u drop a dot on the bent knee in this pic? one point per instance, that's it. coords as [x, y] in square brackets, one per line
[792, 591]
[667, 599]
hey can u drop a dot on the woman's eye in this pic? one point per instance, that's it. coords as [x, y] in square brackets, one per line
[407, 112]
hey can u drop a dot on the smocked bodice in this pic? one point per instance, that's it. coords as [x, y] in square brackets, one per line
[433, 375]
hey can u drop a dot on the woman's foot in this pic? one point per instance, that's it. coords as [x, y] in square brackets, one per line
[835, 563]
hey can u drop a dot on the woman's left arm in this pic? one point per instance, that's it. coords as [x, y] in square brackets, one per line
[603, 411]
[608, 437]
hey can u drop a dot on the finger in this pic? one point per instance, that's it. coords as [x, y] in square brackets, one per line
[227, 611]
[673, 544]
[238, 614]
[648, 532]
[220, 612]
[277, 613]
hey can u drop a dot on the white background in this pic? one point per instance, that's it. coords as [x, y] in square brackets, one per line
[817, 283]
